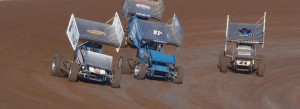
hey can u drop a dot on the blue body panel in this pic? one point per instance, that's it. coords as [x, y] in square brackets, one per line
[160, 68]
[161, 57]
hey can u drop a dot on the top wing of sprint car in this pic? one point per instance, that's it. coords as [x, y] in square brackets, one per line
[86, 30]
[167, 33]
[144, 8]
[246, 33]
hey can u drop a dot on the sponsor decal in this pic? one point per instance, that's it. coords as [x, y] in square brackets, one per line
[142, 6]
[96, 32]
[158, 41]
[244, 53]
[145, 15]
[244, 32]
[143, 1]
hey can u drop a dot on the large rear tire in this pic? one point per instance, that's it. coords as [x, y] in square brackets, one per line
[57, 65]
[224, 66]
[140, 71]
[123, 64]
[115, 81]
[221, 55]
[73, 72]
[261, 68]
[178, 79]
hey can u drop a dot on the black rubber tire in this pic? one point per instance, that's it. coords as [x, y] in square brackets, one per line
[221, 55]
[73, 73]
[142, 72]
[57, 64]
[224, 66]
[256, 62]
[115, 81]
[261, 68]
[123, 64]
[180, 74]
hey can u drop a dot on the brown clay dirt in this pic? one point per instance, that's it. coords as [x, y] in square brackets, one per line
[33, 31]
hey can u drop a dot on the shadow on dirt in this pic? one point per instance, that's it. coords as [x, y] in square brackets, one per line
[158, 79]
[105, 83]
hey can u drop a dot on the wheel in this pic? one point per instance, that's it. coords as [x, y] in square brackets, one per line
[179, 75]
[115, 81]
[57, 65]
[261, 68]
[123, 64]
[221, 55]
[224, 64]
[140, 71]
[73, 72]
[257, 61]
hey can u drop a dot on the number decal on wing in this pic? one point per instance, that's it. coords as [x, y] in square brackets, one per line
[157, 32]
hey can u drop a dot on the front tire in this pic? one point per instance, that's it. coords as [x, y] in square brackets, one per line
[73, 73]
[57, 65]
[140, 71]
[178, 79]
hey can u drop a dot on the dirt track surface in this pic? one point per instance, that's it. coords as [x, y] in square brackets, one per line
[33, 31]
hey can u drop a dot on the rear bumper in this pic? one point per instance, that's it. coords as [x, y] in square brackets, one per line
[243, 68]
[160, 68]
[95, 76]
[159, 71]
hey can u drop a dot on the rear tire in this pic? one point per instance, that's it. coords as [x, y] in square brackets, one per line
[140, 71]
[261, 68]
[221, 55]
[123, 65]
[57, 65]
[115, 81]
[73, 73]
[256, 62]
[224, 66]
[180, 73]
